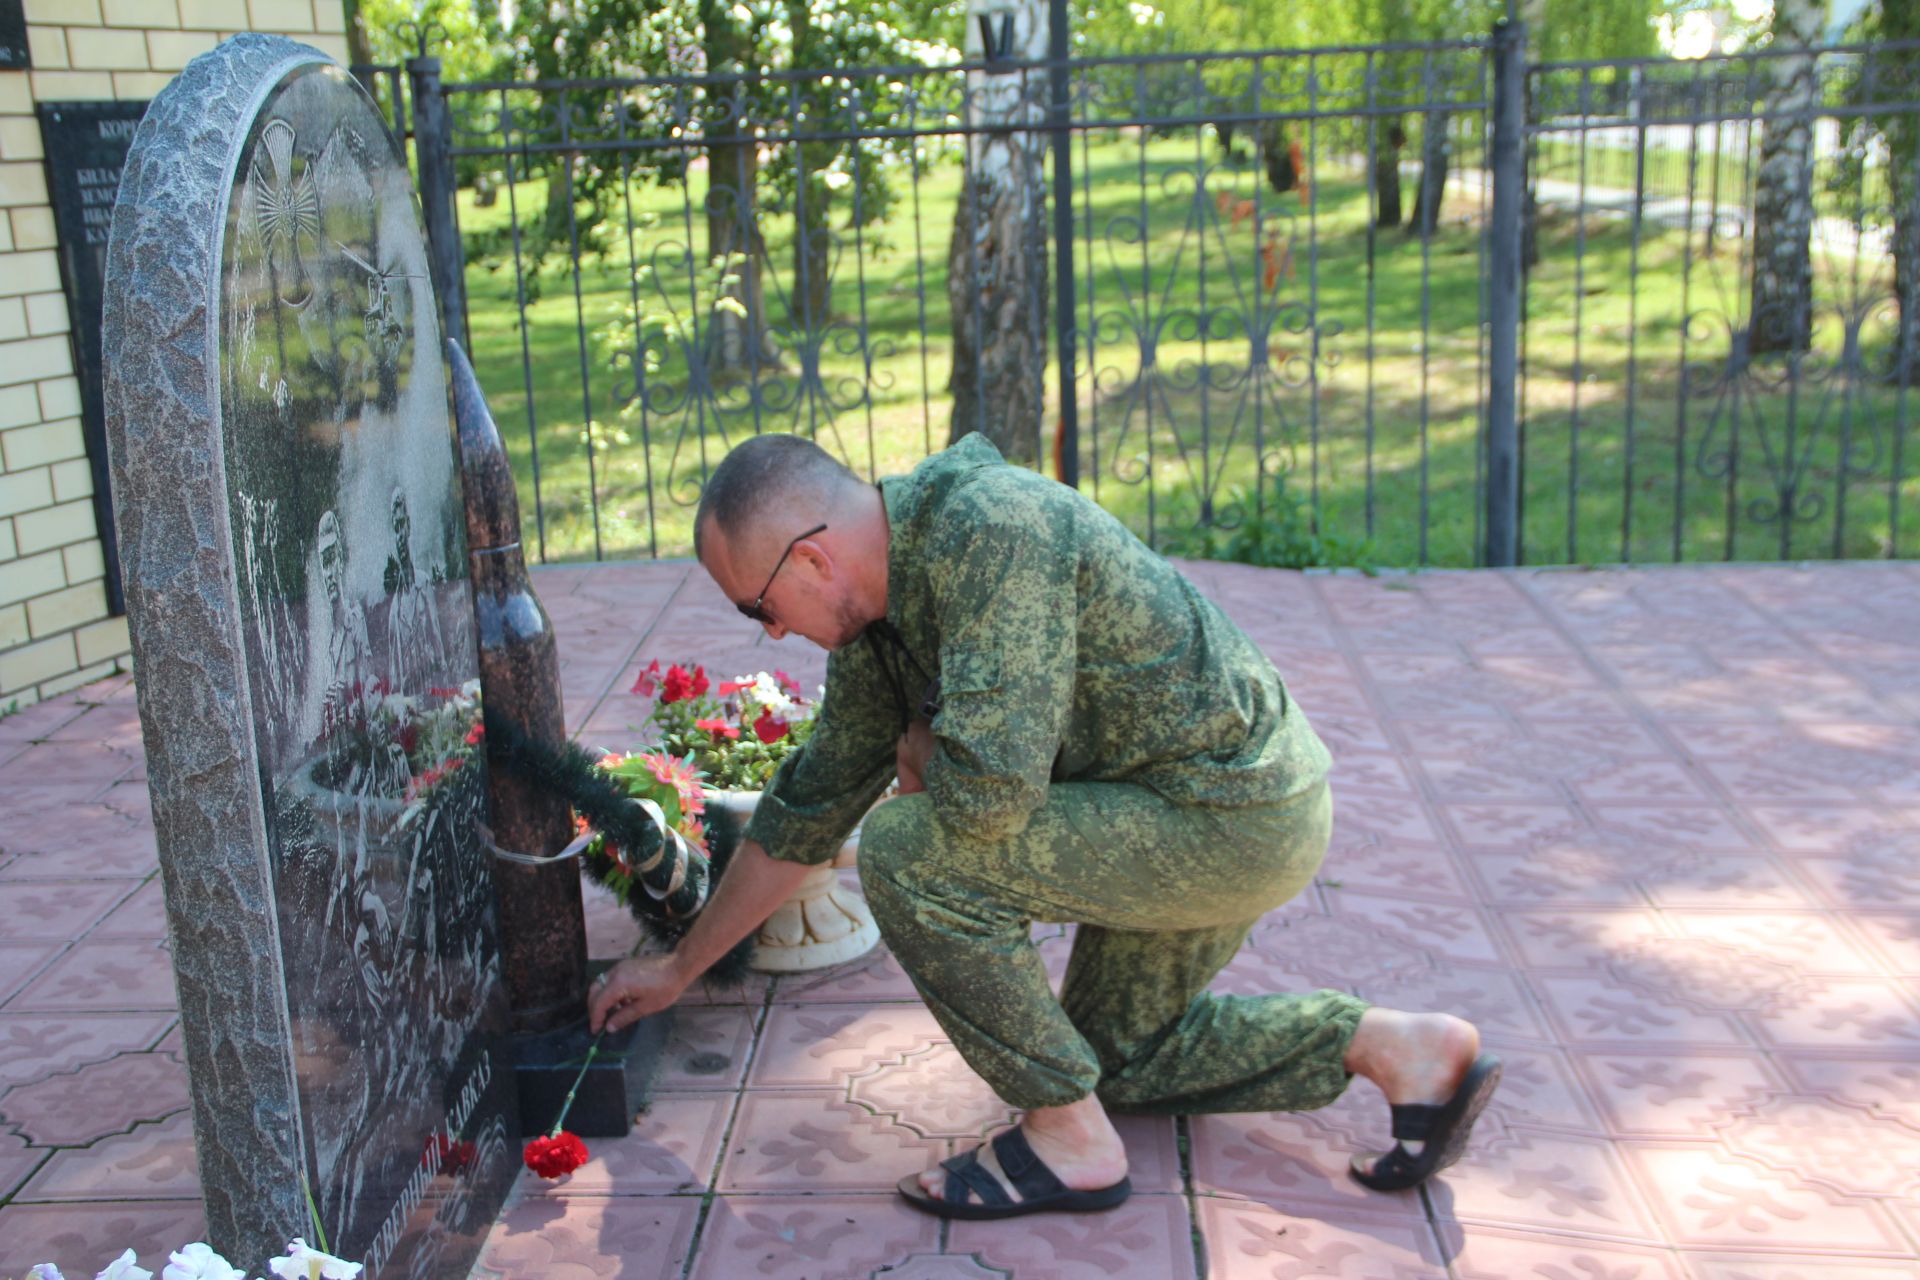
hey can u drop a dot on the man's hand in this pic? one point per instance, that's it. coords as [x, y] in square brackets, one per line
[632, 989]
[911, 754]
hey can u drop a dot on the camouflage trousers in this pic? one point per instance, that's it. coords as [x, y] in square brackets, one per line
[1163, 896]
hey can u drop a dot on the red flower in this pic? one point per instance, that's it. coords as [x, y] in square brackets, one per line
[648, 680]
[718, 728]
[768, 729]
[699, 681]
[476, 733]
[678, 684]
[730, 687]
[556, 1155]
[788, 683]
[409, 736]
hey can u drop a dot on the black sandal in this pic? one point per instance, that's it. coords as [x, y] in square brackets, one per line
[1443, 1128]
[1039, 1188]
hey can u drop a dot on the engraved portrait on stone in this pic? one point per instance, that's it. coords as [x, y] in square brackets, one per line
[335, 413]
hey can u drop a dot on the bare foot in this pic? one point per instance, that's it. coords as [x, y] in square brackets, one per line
[1413, 1057]
[1078, 1142]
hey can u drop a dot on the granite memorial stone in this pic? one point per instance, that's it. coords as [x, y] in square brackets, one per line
[14, 54]
[86, 144]
[298, 589]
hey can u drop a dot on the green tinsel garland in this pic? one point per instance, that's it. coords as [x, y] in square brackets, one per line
[571, 771]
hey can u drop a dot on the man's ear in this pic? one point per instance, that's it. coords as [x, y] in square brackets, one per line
[816, 557]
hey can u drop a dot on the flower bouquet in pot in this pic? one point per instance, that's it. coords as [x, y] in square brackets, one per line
[735, 733]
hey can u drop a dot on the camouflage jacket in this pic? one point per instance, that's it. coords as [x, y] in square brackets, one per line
[1064, 650]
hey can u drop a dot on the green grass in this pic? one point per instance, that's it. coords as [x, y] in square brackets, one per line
[1386, 449]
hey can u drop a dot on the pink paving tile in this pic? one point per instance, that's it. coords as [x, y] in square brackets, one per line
[1512, 826]
[1558, 1183]
[1148, 1236]
[72, 762]
[777, 1237]
[1601, 1012]
[1540, 1089]
[873, 978]
[1808, 941]
[1689, 826]
[1894, 938]
[20, 962]
[153, 1162]
[1491, 1253]
[141, 915]
[1486, 777]
[1496, 1000]
[1368, 773]
[1249, 1240]
[1451, 932]
[35, 1046]
[59, 909]
[1828, 829]
[1431, 872]
[1701, 879]
[1816, 1264]
[17, 1162]
[1549, 939]
[1384, 820]
[787, 1141]
[673, 1148]
[103, 976]
[1874, 1014]
[1851, 1148]
[1339, 950]
[1153, 1153]
[1675, 1094]
[591, 1238]
[1706, 1198]
[929, 1091]
[74, 1108]
[1584, 873]
[1628, 781]
[81, 1239]
[822, 1045]
[708, 1049]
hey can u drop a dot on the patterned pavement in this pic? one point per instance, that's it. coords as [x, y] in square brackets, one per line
[1656, 831]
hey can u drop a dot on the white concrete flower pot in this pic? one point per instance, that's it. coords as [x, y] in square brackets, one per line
[824, 923]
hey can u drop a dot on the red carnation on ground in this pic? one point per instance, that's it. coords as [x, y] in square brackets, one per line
[678, 685]
[648, 680]
[721, 729]
[769, 729]
[556, 1155]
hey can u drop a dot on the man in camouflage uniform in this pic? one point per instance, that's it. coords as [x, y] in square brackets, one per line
[1080, 736]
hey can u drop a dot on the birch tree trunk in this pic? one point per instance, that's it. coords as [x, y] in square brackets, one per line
[997, 262]
[1782, 314]
[736, 331]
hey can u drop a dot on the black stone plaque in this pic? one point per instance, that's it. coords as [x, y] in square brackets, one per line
[14, 55]
[85, 144]
[302, 620]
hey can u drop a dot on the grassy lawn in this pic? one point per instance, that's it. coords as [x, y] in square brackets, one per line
[1368, 399]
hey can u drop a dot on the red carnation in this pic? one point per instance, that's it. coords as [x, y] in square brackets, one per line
[475, 734]
[730, 687]
[648, 680]
[677, 685]
[718, 728]
[788, 683]
[767, 728]
[557, 1155]
[699, 681]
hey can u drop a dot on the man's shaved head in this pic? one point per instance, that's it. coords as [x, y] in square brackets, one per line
[783, 479]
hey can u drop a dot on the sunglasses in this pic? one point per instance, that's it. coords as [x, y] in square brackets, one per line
[755, 610]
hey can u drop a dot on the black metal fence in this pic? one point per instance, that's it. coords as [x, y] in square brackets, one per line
[1400, 304]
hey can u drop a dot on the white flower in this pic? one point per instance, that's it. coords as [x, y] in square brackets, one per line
[302, 1263]
[199, 1262]
[124, 1268]
[45, 1271]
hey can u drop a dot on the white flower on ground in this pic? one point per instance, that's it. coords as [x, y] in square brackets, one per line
[303, 1263]
[199, 1262]
[124, 1268]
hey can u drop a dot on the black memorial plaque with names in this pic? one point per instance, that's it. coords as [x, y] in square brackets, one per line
[86, 143]
[13, 36]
